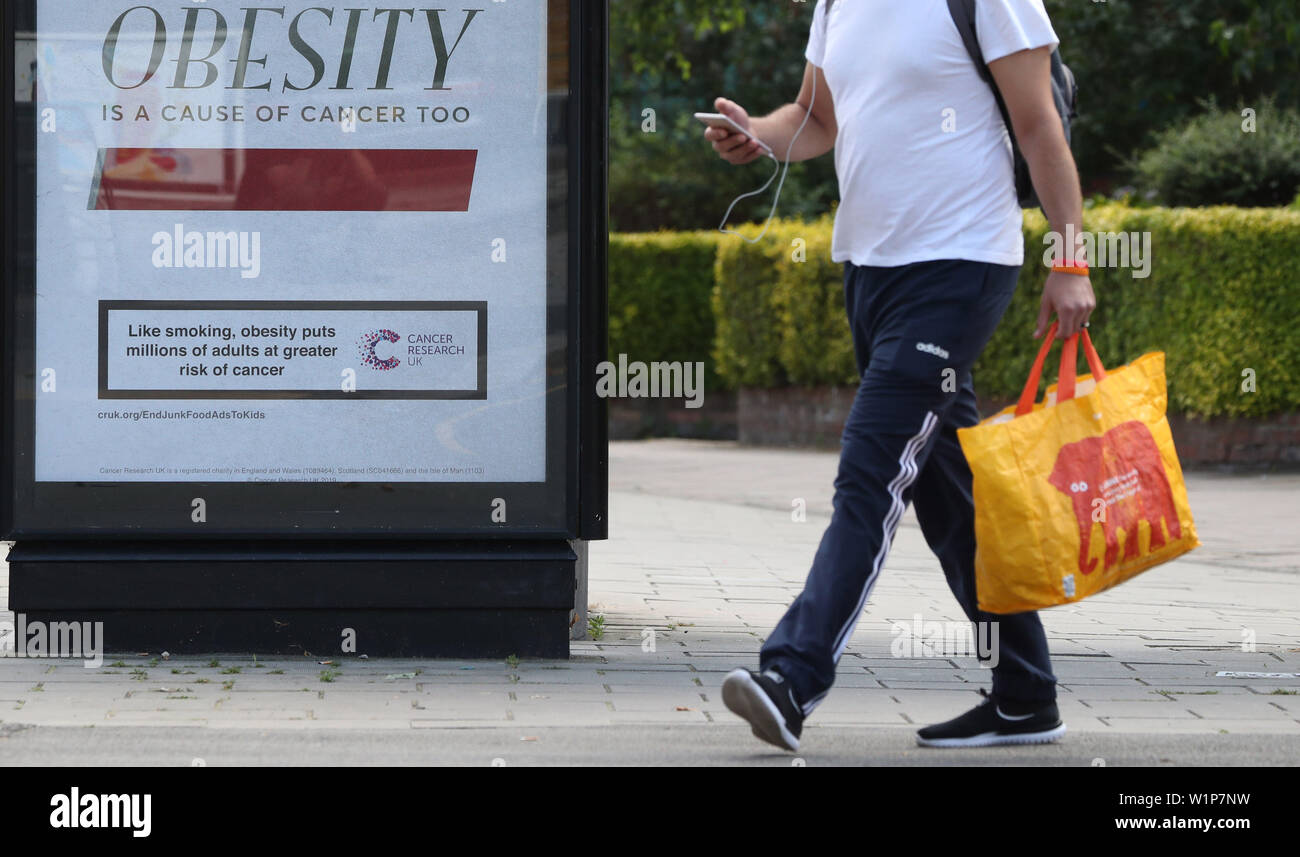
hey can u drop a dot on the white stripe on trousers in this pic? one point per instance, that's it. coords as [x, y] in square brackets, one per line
[907, 472]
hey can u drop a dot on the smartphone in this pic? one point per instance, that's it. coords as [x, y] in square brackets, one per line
[718, 120]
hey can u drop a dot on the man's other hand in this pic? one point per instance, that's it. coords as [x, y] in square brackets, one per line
[1070, 298]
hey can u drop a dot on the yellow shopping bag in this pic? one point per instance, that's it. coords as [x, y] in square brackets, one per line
[1080, 492]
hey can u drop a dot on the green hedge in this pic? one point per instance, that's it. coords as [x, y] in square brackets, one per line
[661, 285]
[773, 300]
[1223, 296]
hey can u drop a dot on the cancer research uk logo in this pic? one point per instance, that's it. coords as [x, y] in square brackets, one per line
[367, 344]
[418, 347]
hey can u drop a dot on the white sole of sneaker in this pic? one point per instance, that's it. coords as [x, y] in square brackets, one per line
[993, 739]
[744, 698]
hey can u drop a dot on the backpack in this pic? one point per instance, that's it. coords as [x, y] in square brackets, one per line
[1065, 92]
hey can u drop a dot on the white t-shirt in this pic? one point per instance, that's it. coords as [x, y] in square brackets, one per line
[923, 156]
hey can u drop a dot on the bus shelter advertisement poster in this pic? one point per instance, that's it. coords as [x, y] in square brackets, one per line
[300, 242]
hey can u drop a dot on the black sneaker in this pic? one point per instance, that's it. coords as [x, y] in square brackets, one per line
[767, 703]
[996, 722]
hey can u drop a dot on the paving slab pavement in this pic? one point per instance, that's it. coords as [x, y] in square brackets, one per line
[703, 558]
[641, 744]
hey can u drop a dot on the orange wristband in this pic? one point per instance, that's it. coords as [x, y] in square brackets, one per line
[1077, 268]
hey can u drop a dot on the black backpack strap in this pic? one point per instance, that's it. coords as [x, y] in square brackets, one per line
[963, 15]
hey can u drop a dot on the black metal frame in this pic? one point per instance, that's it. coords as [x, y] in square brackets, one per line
[572, 503]
[591, 38]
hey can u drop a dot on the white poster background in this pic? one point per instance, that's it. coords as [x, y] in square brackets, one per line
[497, 73]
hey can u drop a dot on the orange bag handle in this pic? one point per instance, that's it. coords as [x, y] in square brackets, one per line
[1067, 374]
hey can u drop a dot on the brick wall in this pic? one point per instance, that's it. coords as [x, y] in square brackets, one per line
[1233, 441]
[814, 417]
[794, 416]
[632, 419]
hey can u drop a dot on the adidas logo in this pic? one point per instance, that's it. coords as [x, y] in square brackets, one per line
[928, 348]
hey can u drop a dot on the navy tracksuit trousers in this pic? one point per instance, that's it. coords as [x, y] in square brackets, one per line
[917, 330]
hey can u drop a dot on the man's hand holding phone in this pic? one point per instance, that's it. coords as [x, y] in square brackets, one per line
[733, 146]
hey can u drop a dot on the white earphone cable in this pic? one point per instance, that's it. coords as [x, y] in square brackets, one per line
[784, 172]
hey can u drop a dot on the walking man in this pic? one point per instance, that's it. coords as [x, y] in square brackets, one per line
[930, 233]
